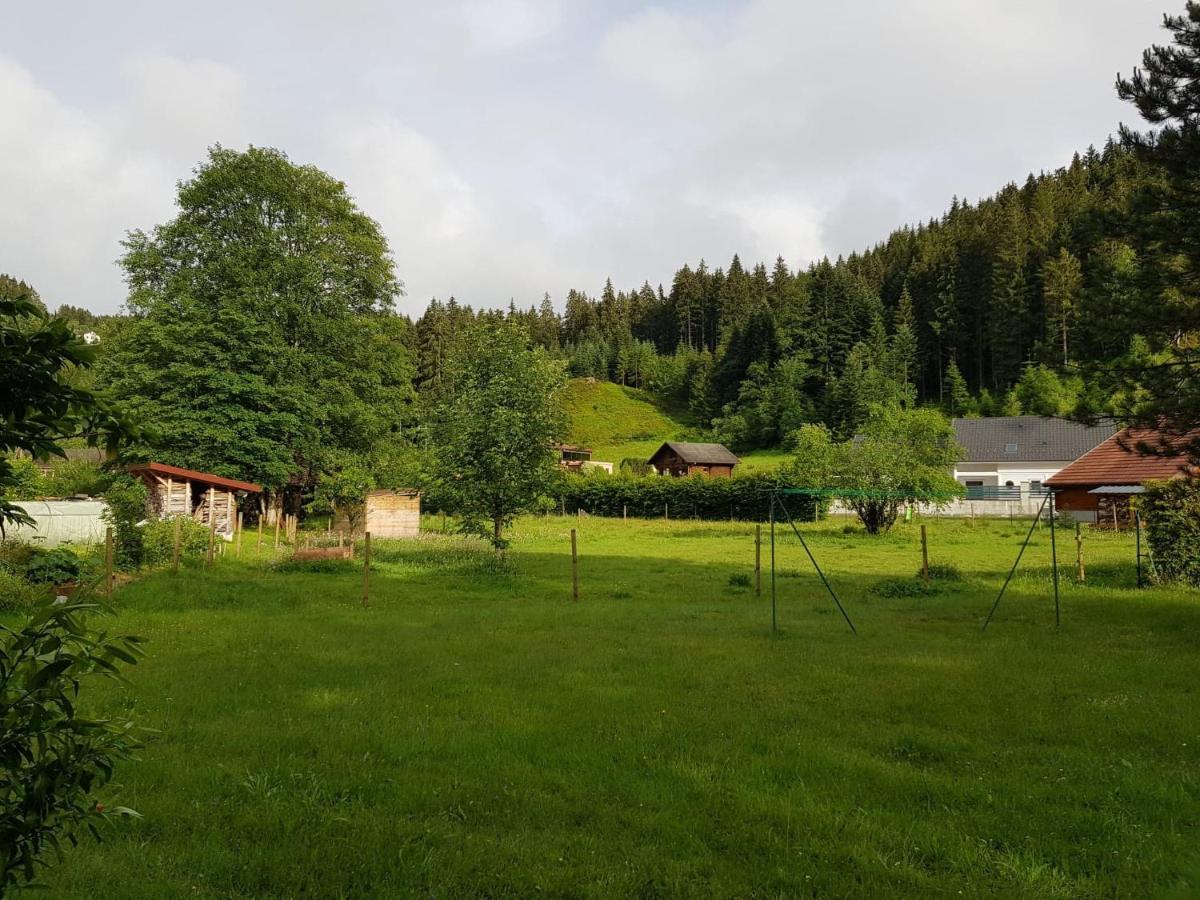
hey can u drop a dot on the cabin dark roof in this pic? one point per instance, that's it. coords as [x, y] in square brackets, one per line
[1028, 438]
[699, 454]
[1118, 461]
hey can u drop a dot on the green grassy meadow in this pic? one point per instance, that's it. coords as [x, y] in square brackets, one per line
[475, 733]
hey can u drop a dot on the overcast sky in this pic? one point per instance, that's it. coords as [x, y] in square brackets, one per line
[516, 147]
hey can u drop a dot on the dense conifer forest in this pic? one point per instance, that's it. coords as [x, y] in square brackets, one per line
[994, 308]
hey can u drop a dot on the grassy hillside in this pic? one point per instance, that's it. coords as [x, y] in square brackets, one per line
[619, 422]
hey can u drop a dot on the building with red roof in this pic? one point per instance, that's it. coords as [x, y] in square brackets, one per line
[209, 499]
[1098, 486]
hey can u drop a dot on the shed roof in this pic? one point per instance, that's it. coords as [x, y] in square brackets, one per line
[1119, 460]
[699, 454]
[1028, 438]
[230, 484]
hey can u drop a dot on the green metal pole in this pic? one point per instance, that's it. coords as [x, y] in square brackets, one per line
[1016, 562]
[772, 562]
[813, 560]
[1054, 563]
[1137, 521]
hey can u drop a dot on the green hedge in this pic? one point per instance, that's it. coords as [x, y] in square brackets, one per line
[1171, 512]
[699, 496]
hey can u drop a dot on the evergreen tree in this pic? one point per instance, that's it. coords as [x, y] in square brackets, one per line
[1062, 287]
[904, 348]
[958, 396]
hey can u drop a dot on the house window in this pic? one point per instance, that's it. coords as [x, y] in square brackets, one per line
[1009, 484]
[974, 484]
[1010, 447]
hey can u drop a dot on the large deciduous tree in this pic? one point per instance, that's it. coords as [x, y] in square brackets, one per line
[898, 455]
[261, 334]
[493, 421]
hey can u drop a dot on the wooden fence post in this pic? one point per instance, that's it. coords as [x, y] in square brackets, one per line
[237, 536]
[924, 557]
[574, 569]
[212, 525]
[260, 518]
[625, 512]
[758, 558]
[108, 563]
[366, 568]
[1079, 570]
[666, 510]
[277, 532]
[175, 551]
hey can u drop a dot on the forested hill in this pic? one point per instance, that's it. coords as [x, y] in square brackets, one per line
[987, 309]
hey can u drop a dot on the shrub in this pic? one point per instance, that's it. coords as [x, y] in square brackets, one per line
[17, 594]
[26, 483]
[126, 499]
[15, 555]
[740, 580]
[56, 565]
[1171, 512]
[699, 496]
[904, 587]
[158, 540]
[75, 476]
[943, 572]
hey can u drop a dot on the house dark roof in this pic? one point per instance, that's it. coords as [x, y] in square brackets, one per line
[1028, 438]
[1117, 461]
[699, 454]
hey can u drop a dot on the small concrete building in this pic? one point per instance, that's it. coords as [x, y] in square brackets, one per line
[679, 458]
[387, 514]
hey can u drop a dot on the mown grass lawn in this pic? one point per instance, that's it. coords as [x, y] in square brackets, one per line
[474, 733]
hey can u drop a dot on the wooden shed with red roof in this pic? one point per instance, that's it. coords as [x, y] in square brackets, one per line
[1098, 486]
[175, 491]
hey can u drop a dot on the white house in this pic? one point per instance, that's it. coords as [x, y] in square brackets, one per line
[1009, 457]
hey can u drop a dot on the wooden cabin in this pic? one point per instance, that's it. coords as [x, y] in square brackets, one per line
[199, 495]
[572, 457]
[678, 459]
[1099, 487]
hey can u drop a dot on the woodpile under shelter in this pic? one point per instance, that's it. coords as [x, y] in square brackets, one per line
[1099, 486]
[386, 514]
[678, 458]
[198, 495]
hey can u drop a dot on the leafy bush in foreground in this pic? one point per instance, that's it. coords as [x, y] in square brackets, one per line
[52, 758]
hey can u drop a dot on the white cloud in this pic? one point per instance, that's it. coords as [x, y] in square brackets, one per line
[517, 146]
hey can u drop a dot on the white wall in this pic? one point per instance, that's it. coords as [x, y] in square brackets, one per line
[61, 521]
[997, 474]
